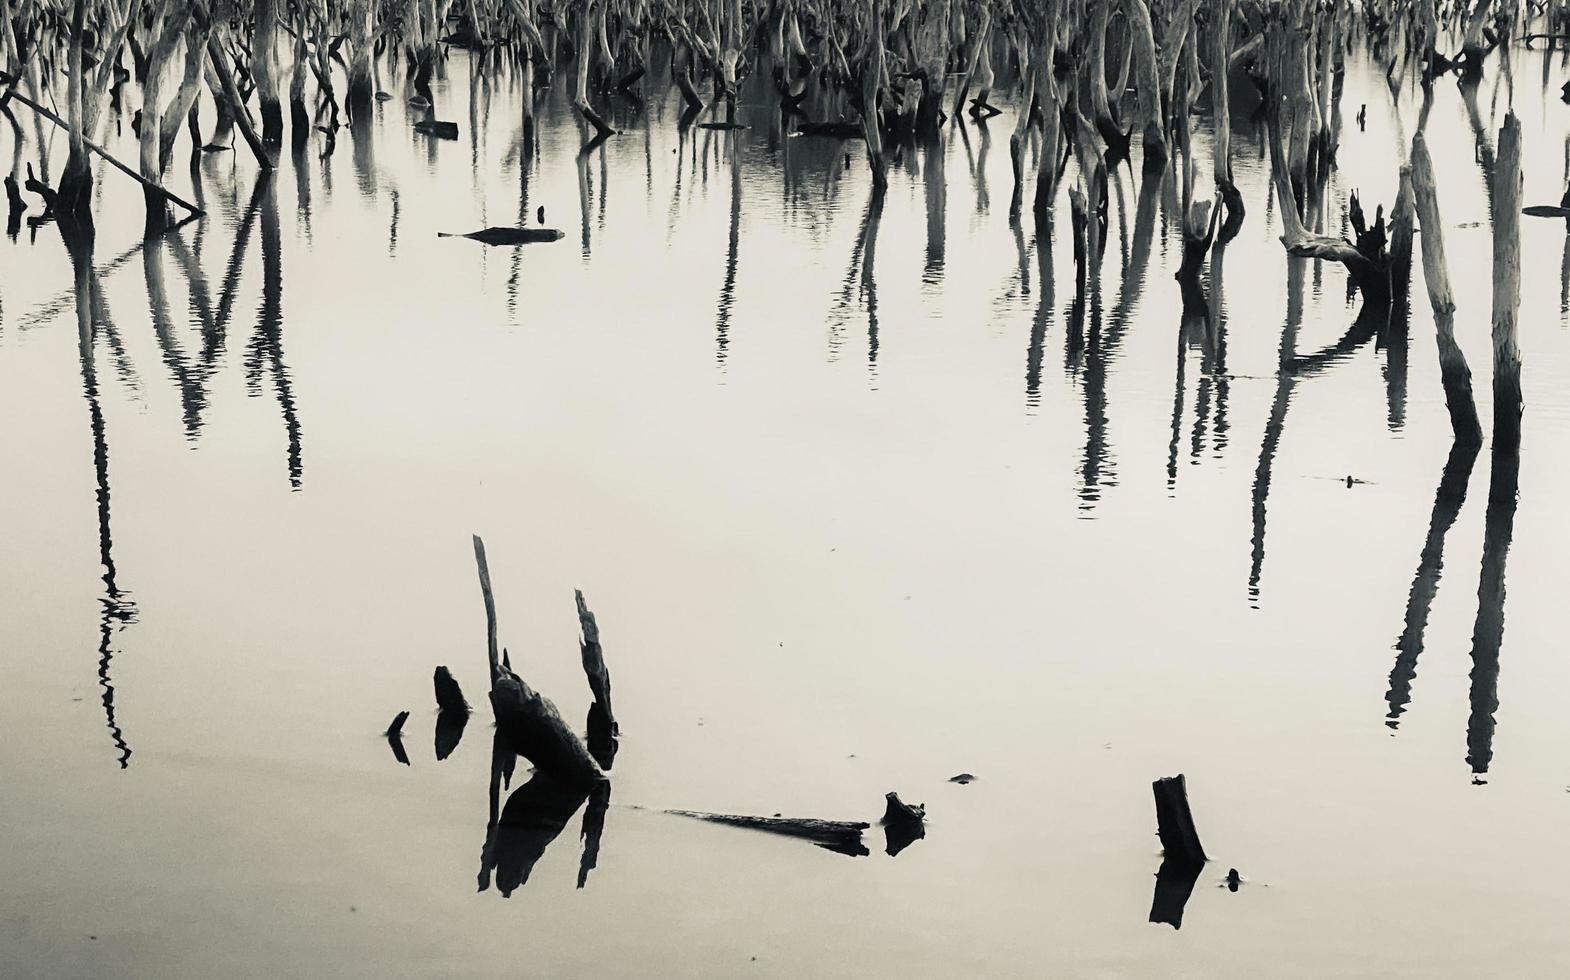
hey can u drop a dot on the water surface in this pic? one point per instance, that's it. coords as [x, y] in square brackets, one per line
[863, 499]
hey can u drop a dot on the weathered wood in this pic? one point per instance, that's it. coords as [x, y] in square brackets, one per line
[1454, 373]
[1146, 80]
[1174, 822]
[438, 128]
[528, 719]
[242, 119]
[508, 236]
[449, 696]
[840, 836]
[594, 661]
[490, 608]
[903, 824]
[151, 186]
[1507, 286]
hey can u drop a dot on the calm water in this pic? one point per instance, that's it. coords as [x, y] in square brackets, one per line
[857, 512]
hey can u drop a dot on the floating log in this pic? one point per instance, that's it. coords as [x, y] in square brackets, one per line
[1545, 211]
[594, 661]
[449, 696]
[839, 836]
[508, 236]
[1175, 823]
[723, 125]
[437, 128]
[964, 779]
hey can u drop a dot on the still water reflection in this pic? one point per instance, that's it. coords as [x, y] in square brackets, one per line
[774, 423]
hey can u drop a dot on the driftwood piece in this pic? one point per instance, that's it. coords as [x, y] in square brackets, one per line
[594, 662]
[839, 836]
[1175, 823]
[903, 824]
[528, 719]
[449, 696]
[437, 128]
[508, 236]
[897, 810]
[395, 737]
[154, 188]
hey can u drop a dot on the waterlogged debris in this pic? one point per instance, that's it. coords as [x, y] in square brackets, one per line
[508, 236]
[528, 719]
[903, 824]
[600, 739]
[1174, 821]
[437, 128]
[898, 811]
[395, 737]
[594, 661]
[722, 125]
[964, 779]
[449, 696]
[839, 836]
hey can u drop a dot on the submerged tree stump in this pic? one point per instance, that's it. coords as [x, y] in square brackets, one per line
[1174, 822]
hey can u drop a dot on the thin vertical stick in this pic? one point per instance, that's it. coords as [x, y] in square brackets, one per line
[490, 608]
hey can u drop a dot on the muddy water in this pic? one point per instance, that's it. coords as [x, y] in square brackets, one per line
[857, 512]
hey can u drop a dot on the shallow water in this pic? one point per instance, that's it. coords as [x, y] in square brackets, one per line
[856, 514]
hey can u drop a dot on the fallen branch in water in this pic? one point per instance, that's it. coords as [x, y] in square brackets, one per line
[840, 836]
[95, 148]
